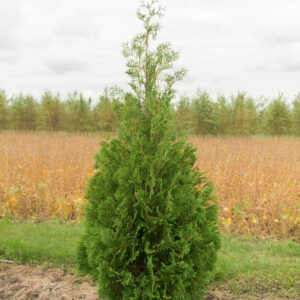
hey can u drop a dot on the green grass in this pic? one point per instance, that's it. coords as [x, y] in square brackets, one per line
[49, 243]
[246, 266]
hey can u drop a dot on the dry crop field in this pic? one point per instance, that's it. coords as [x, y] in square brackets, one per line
[43, 176]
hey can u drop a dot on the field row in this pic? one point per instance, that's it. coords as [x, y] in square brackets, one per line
[43, 176]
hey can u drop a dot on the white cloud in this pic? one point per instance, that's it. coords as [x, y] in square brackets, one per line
[9, 25]
[225, 45]
[61, 65]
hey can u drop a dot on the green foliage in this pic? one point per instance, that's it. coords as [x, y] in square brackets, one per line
[278, 117]
[104, 112]
[238, 115]
[296, 115]
[51, 112]
[78, 114]
[151, 221]
[182, 115]
[244, 115]
[223, 116]
[3, 110]
[23, 113]
[203, 114]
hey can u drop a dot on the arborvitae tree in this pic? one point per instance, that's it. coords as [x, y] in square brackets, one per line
[203, 113]
[51, 112]
[151, 221]
[23, 113]
[3, 110]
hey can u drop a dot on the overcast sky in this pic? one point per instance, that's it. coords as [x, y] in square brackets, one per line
[226, 45]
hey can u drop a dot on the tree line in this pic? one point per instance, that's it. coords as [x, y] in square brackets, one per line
[237, 115]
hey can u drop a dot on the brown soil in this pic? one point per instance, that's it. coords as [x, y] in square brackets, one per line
[20, 282]
[24, 282]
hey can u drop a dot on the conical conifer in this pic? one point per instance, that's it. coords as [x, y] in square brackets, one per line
[151, 220]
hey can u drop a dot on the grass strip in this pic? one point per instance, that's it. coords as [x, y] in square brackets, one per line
[246, 266]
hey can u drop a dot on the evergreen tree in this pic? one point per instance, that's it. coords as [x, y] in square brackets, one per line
[278, 117]
[3, 110]
[261, 109]
[23, 113]
[223, 116]
[203, 114]
[244, 115]
[104, 113]
[151, 221]
[77, 113]
[182, 115]
[296, 115]
[51, 112]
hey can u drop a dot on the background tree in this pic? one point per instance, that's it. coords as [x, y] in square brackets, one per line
[239, 115]
[203, 114]
[296, 115]
[105, 117]
[151, 221]
[278, 117]
[223, 116]
[77, 113]
[261, 108]
[183, 116]
[23, 113]
[51, 112]
[244, 115]
[3, 110]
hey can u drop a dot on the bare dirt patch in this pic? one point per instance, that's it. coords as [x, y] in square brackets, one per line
[22, 282]
[25, 282]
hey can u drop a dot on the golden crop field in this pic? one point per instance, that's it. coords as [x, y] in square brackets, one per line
[43, 176]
